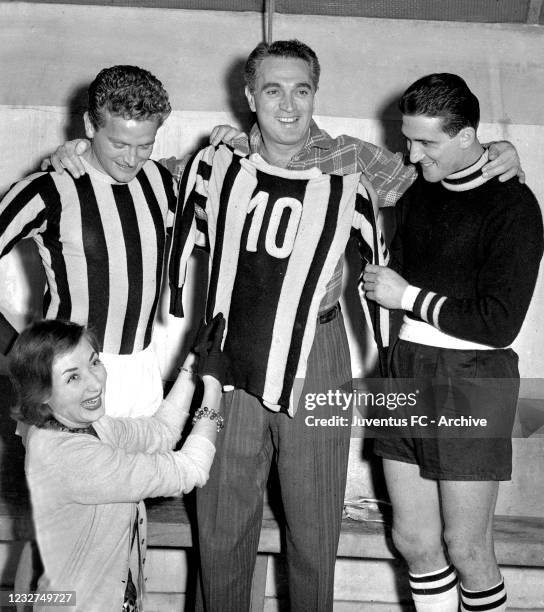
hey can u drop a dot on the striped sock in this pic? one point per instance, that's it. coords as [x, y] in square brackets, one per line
[435, 591]
[490, 600]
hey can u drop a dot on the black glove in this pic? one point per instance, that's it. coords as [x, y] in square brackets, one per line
[211, 359]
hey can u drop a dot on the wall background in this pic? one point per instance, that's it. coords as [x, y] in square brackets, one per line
[50, 52]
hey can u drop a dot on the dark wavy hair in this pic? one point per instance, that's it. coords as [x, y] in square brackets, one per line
[281, 48]
[442, 95]
[129, 92]
[30, 364]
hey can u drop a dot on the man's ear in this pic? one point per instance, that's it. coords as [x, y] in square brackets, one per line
[467, 136]
[89, 127]
[250, 99]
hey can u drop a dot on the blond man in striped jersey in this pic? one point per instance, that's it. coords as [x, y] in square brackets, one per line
[101, 237]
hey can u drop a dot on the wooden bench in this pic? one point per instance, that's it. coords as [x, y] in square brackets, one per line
[519, 540]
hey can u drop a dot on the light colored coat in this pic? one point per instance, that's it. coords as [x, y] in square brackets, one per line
[85, 493]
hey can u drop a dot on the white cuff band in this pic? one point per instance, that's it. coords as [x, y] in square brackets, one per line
[409, 297]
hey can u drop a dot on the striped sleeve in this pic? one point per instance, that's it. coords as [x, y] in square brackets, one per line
[23, 211]
[170, 185]
[22, 215]
[424, 304]
[190, 223]
[373, 250]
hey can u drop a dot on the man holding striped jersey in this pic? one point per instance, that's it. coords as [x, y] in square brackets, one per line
[465, 262]
[101, 237]
[276, 220]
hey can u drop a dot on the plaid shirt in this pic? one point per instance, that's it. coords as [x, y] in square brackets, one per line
[387, 172]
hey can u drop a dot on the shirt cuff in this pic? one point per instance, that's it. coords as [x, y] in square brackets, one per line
[200, 452]
[409, 297]
[201, 446]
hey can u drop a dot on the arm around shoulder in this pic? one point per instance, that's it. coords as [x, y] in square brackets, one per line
[388, 172]
[68, 157]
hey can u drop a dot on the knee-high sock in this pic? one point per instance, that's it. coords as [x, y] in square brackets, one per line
[435, 591]
[489, 600]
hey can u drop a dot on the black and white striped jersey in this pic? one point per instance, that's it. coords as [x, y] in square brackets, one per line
[275, 237]
[101, 245]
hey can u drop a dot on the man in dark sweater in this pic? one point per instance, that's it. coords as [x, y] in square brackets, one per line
[465, 263]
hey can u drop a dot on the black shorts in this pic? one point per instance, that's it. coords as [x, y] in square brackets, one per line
[474, 387]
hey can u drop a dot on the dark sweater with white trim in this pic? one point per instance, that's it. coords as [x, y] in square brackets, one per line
[471, 256]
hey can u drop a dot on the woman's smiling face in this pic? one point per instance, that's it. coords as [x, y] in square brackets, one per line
[78, 382]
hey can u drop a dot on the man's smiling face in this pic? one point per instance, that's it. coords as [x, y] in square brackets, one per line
[120, 147]
[284, 102]
[437, 153]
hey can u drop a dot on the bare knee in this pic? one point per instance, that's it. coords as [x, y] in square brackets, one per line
[421, 549]
[471, 555]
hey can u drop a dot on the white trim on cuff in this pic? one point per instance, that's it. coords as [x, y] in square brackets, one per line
[409, 297]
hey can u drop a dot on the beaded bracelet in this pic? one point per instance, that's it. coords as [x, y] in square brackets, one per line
[207, 413]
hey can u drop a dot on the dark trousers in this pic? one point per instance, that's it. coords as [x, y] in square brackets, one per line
[312, 465]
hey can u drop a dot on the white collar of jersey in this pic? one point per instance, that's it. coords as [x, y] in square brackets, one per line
[468, 178]
[258, 162]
